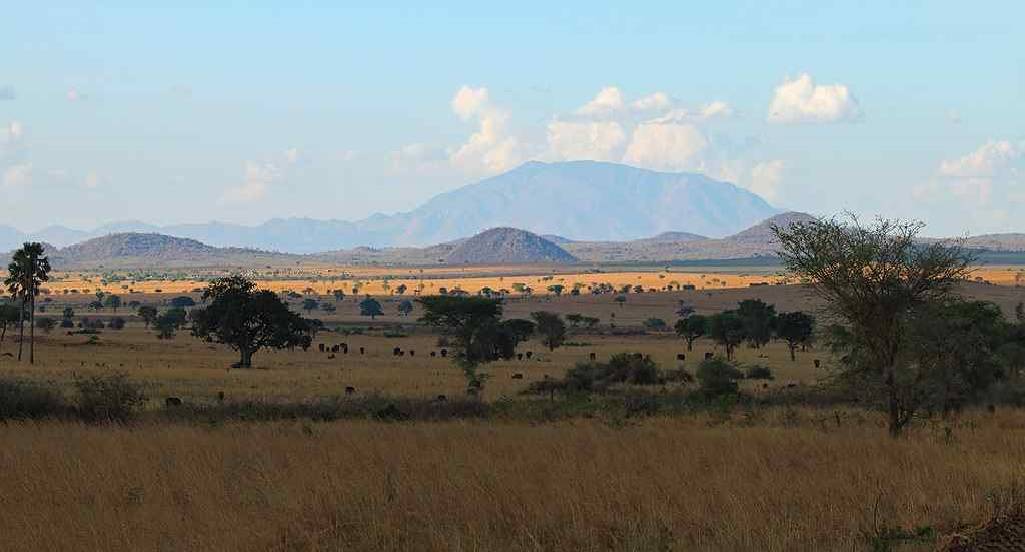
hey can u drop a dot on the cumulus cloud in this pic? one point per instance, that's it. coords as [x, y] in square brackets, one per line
[600, 140]
[986, 161]
[17, 175]
[665, 146]
[802, 101]
[608, 100]
[490, 149]
[652, 102]
[765, 179]
[258, 178]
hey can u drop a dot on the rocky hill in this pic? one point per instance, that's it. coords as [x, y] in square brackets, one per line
[508, 246]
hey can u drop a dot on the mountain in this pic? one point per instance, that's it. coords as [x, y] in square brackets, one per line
[507, 246]
[578, 200]
[675, 237]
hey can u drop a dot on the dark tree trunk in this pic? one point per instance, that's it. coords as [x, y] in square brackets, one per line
[21, 327]
[793, 353]
[690, 345]
[247, 358]
[32, 329]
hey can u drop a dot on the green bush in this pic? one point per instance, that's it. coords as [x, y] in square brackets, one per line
[23, 401]
[718, 377]
[110, 398]
[758, 372]
[586, 377]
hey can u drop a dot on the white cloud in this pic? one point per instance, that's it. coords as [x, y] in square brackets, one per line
[17, 175]
[652, 102]
[802, 101]
[765, 179]
[986, 161]
[491, 148]
[469, 101]
[608, 100]
[258, 178]
[715, 110]
[291, 155]
[665, 146]
[599, 141]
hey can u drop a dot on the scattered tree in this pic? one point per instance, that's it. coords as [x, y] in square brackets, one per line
[370, 307]
[797, 329]
[692, 328]
[28, 269]
[405, 307]
[551, 328]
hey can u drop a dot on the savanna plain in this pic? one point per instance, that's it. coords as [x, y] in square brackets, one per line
[368, 440]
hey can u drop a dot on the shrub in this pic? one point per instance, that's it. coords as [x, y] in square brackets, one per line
[117, 323]
[67, 323]
[718, 377]
[630, 368]
[109, 398]
[758, 372]
[22, 401]
[656, 325]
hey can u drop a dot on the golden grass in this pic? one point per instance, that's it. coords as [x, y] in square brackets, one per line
[666, 484]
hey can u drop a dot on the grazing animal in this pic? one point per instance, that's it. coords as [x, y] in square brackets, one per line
[334, 349]
[818, 363]
[517, 376]
[681, 357]
[362, 350]
[220, 396]
[444, 353]
[396, 352]
[433, 354]
[171, 402]
[345, 348]
[708, 356]
[330, 356]
[442, 398]
[529, 354]
[350, 390]
[412, 352]
[320, 347]
[519, 356]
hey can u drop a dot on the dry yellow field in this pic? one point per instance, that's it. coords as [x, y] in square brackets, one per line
[779, 482]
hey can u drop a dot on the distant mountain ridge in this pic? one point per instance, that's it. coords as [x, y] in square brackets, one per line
[580, 200]
[494, 246]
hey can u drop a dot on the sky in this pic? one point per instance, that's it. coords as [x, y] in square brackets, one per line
[242, 112]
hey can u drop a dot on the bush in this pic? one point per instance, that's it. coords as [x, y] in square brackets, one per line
[758, 372]
[629, 368]
[23, 401]
[117, 323]
[110, 398]
[67, 323]
[656, 325]
[718, 377]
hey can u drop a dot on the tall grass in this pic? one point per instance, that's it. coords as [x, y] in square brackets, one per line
[783, 481]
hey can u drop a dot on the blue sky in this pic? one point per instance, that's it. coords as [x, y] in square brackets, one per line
[242, 113]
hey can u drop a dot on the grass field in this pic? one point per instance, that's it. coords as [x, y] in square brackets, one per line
[746, 478]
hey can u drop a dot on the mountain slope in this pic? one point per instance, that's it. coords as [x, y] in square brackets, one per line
[507, 246]
[137, 250]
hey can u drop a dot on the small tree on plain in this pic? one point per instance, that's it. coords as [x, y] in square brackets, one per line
[550, 327]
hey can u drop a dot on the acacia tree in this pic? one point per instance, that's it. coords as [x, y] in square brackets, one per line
[727, 329]
[28, 269]
[370, 307]
[870, 278]
[477, 330]
[691, 328]
[796, 328]
[248, 320]
[551, 328]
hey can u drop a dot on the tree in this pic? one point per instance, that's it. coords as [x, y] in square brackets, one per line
[574, 319]
[691, 328]
[405, 307]
[68, 313]
[46, 324]
[182, 302]
[557, 289]
[114, 302]
[655, 324]
[310, 305]
[28, 269]
[796, 328]
[759, 321]
[9, 315]
[620, 299]
[148, 314]
[248, 320]
[870, 279]
[401, 289]
[477, 332]
[551, 328]
[370, 307]
[339, 295]
[166, 324]
[718, 377]
[727, 329]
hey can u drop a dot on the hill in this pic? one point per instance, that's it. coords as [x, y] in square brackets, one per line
[136, 250]
[508, 246]
[579, 200]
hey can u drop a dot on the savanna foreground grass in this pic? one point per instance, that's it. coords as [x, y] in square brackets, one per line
[781, 480]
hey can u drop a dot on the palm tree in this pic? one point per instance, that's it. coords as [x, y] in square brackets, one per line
[28, 269]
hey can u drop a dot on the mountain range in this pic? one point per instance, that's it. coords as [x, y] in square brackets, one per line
[578, 200]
